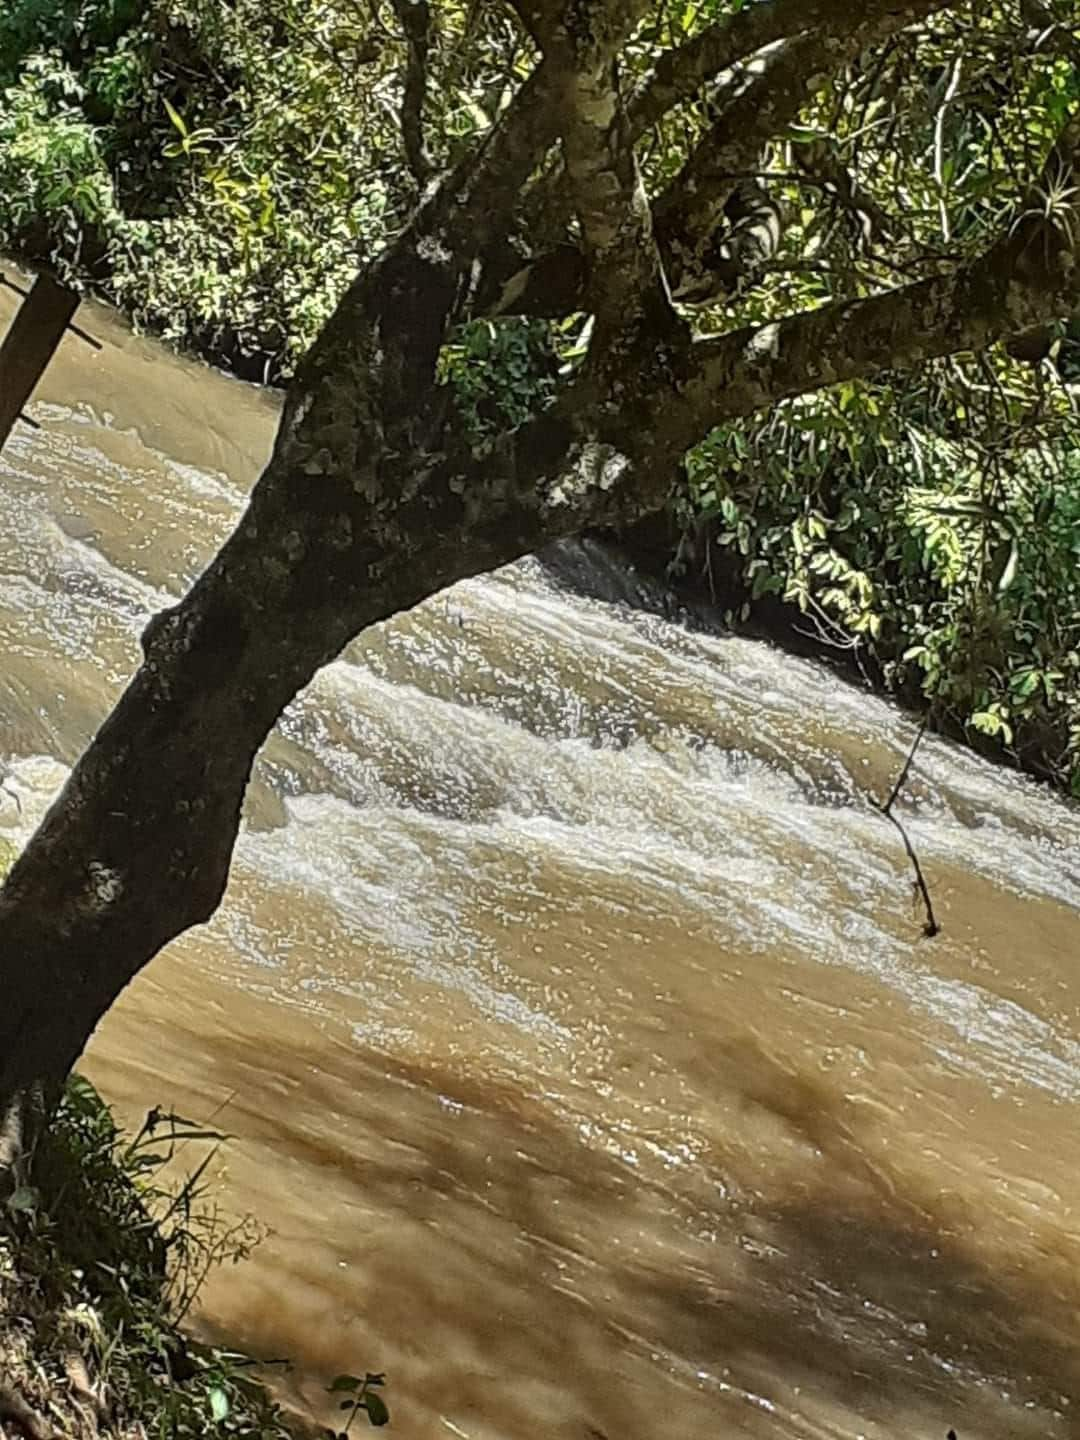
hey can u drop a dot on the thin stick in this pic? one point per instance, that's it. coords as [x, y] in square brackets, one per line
[886, 809]
[11, 285]
[930, 925]
[85, 337]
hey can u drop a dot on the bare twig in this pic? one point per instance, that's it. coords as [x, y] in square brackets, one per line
[930, 925]
[13, 285]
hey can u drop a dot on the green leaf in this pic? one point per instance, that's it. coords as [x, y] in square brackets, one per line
[219, 1404]
[1025, 683]
[344, 1382]
[175, 116]
[24, 1201]
[80, 1092]
[376, 1409]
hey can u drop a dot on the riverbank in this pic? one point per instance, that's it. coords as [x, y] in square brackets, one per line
[100, 1264]
[635, 567]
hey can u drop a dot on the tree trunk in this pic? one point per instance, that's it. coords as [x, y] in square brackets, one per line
[374, 499]
[30, 344]
[137, 847]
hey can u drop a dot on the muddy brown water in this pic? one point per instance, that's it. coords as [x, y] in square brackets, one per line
[568, 1004]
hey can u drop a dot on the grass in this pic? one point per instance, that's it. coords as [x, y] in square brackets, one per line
[100, 1263]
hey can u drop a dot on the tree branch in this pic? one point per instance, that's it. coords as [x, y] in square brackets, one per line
[679, 74]
[415, 19]
[702, 254]
[609, 447]
[1031, 275]
[604, 185]
[376, 356]
[764, 100]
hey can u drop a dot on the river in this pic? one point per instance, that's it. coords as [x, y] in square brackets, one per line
[569, 1006]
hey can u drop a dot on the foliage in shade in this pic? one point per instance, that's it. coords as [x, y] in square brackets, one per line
[100, 1261]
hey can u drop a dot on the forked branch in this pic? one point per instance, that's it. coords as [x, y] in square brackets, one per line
[930, 924]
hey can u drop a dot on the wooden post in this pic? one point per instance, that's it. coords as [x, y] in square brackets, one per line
[30, 344]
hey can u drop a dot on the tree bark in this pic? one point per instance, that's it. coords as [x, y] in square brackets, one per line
[137, 847]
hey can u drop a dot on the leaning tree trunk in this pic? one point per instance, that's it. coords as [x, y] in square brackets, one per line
[374, 499]
[137, 847]
[347, 526]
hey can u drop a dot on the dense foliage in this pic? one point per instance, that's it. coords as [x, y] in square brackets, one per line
[928, 523]
[941, 558]
[221, 169]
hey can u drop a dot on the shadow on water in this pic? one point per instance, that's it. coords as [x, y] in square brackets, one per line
[542, 1268]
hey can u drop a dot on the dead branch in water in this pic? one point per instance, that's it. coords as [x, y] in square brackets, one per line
[930, 925]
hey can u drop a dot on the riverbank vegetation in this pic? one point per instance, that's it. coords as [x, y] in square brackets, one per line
[930, 541]
[220, 172]
[101, 1262]
[103, 1258]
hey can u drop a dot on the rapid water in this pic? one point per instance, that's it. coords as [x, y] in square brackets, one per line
[569, 1007]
